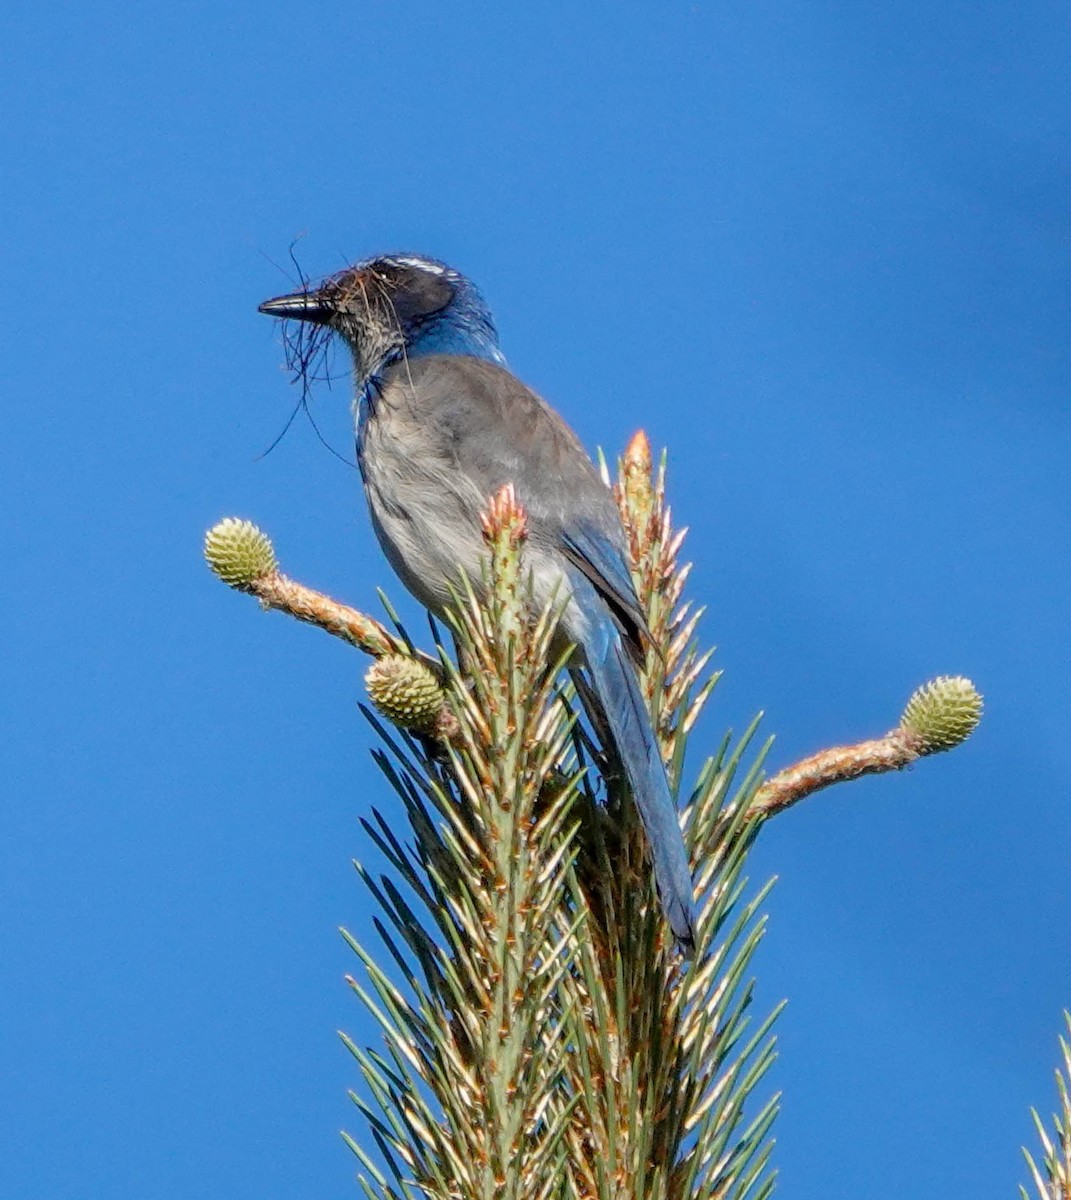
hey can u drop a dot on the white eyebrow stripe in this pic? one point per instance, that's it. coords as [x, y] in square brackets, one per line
[421, 264]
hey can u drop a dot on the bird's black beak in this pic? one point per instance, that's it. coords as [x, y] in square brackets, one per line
[299, 306]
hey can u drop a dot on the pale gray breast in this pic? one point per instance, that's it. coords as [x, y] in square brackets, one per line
[424, 511]
[442, 435]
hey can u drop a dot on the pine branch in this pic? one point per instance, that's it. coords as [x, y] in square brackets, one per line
[665, 1062]
[466, 1102]
[541, 1035]
[1052, 1180]
[939, 716]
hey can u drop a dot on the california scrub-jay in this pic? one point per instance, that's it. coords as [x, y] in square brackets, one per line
[442, 425]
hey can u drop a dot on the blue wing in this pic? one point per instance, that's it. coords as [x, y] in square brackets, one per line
[600, 558]
[617, 690]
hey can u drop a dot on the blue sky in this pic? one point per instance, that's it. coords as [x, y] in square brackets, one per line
[818, 250]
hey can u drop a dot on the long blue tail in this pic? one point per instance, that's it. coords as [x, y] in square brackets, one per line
[618, 692]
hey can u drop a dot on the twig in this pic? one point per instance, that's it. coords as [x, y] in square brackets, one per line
[892, 752]
[280, 592]
[939, 716]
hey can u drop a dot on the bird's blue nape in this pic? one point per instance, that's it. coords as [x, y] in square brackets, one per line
[447, 335]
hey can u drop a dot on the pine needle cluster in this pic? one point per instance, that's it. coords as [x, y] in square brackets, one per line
[542, 1036]
[1052, 1178]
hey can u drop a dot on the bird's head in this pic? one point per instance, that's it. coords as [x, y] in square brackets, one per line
[395, 305]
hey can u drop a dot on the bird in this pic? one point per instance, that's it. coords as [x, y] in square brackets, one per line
[442, 424]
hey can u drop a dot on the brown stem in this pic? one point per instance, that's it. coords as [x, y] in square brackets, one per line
[286, 595]
[280, 592]
[892, 752]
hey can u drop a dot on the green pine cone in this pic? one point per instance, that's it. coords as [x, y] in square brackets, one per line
[406, 691]
[942, 713]
[239, 552]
